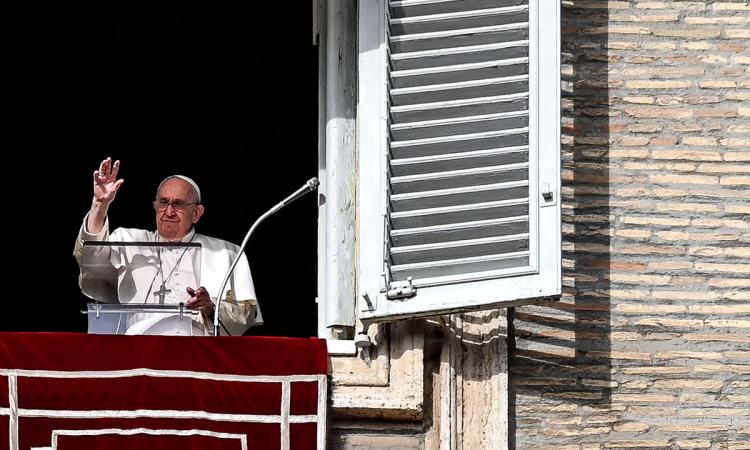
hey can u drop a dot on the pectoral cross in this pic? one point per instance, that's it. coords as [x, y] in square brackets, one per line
[162, 292]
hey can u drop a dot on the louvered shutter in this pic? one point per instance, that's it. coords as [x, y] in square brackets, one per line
[465, 197]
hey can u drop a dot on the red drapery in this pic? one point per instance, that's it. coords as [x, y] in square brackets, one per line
[77, 391]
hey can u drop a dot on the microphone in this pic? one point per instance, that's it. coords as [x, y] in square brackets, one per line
[310, 186]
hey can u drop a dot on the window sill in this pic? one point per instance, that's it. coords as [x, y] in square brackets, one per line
[391, 384]
[341, 347]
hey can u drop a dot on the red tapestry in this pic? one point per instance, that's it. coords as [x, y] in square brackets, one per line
[76, 391]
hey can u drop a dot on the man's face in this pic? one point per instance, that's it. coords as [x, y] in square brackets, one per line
[176, 209]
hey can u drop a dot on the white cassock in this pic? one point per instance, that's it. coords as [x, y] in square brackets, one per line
[154, 275]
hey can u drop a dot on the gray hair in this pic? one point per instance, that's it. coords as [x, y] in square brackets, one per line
[188, 180]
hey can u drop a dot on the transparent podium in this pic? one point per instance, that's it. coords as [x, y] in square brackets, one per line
[140, 287]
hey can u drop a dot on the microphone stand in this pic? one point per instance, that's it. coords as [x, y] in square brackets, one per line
[310, 186]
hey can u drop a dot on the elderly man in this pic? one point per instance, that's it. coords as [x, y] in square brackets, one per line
[178, 207]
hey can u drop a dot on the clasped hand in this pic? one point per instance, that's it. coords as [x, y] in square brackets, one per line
[200, 300]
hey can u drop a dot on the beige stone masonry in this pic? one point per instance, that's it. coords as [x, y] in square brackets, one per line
[645, 112]
[692, 397]
[720, 309]
[656, 205]
[634, 308]
[729, 282]
[672, 17]
[689, 383]
[723, 168]
[676, 323]
[718, 337]
[714, 412]
[693, 444]
[727, 368]
[652, 411]
[699, 140]
[716, 20]
[735, 142]
[728, 323]
[695, 427]
[689, 155]
[731, 6]
[649, 443]
[717, 84]
[593, 4]
[738, 33]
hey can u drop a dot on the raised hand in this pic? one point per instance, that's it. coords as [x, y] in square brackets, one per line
[106, 183]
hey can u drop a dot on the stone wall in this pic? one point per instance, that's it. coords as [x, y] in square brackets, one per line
[650, 345]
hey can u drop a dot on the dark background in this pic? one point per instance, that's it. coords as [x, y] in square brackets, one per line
[225, 93]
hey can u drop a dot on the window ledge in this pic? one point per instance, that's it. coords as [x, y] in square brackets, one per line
[391, 385]
[341, 347]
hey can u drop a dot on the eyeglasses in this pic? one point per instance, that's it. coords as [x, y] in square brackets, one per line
[178, 205]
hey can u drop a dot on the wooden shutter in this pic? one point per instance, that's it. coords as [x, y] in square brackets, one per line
[461, 184]
[459, 139]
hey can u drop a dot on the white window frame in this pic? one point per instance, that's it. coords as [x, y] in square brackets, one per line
[543, 277]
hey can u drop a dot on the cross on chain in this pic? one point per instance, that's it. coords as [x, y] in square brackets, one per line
[161, 293]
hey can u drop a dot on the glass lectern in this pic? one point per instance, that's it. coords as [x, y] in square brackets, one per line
[140, 287]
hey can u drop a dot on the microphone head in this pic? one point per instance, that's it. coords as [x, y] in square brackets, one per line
[313, 183]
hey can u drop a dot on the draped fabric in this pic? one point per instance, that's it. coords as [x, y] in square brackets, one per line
[79, 391]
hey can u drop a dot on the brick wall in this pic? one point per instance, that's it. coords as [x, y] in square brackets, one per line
[650, 344]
